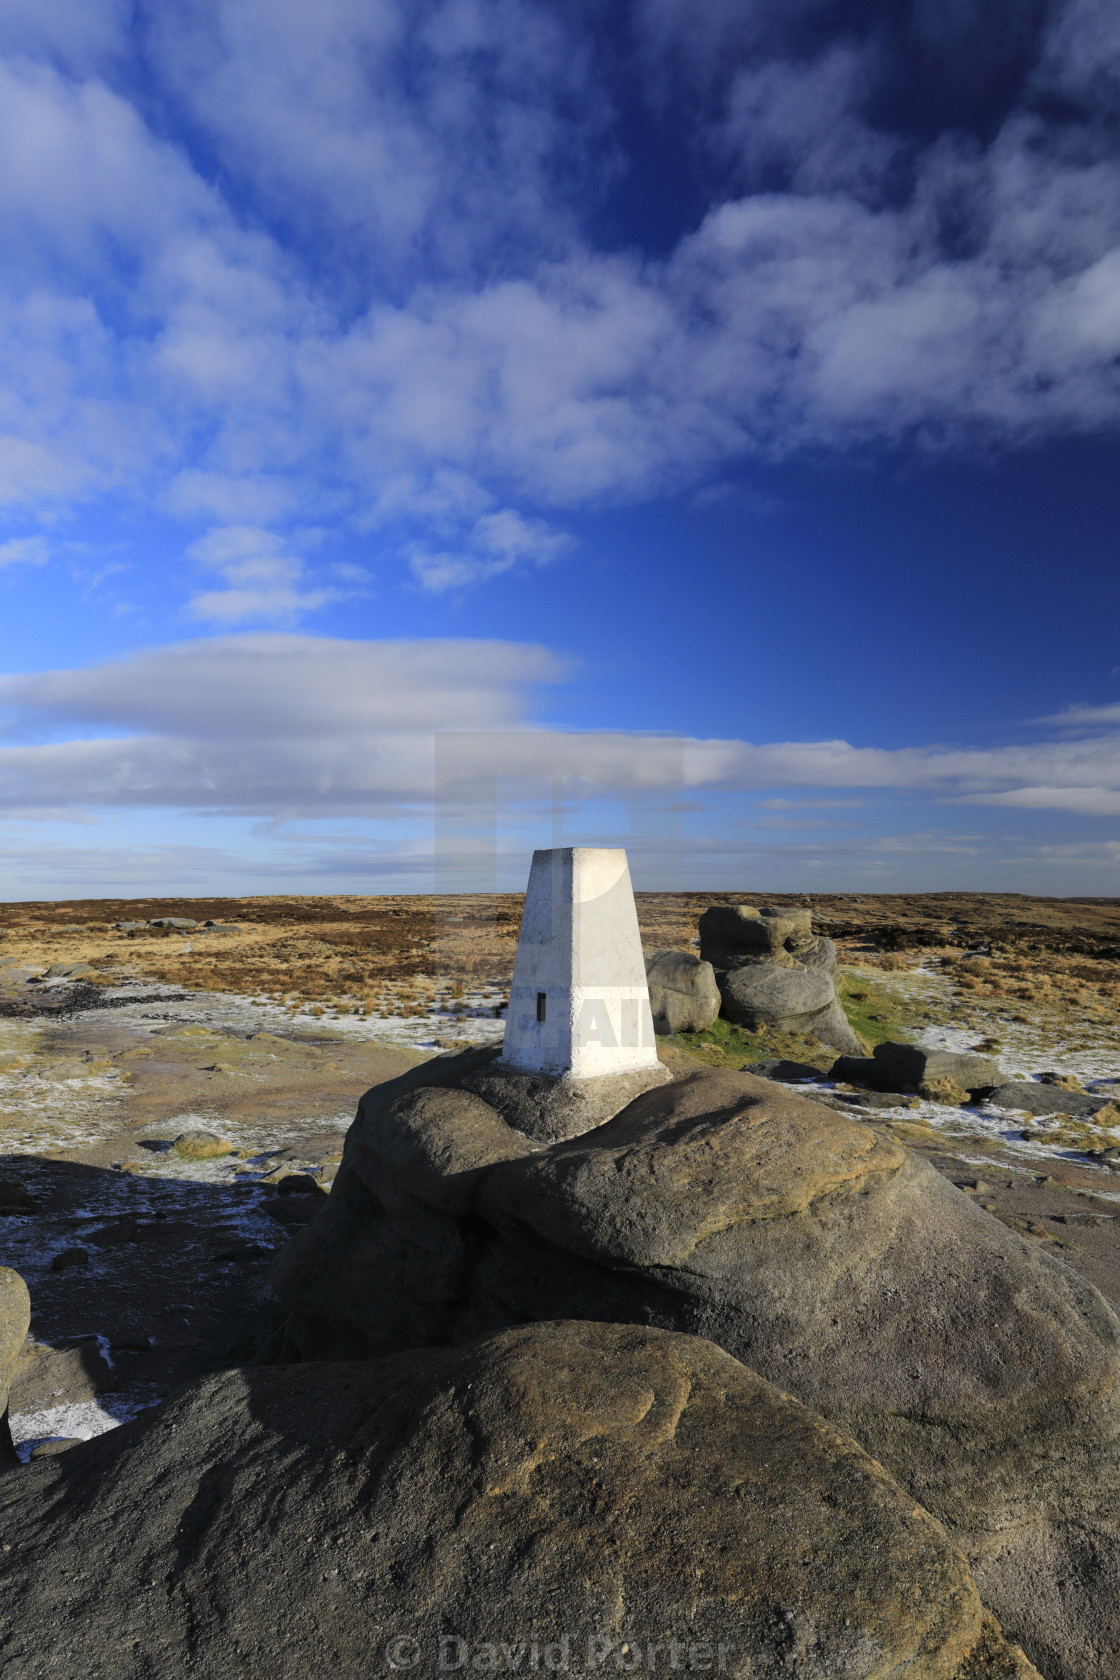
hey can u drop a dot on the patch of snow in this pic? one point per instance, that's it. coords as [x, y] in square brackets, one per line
[76, 1421]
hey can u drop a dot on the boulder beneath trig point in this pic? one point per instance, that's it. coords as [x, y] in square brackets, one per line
[609, 1494]
[982, 1371]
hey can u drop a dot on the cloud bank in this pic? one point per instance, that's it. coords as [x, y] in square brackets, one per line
[285, 726]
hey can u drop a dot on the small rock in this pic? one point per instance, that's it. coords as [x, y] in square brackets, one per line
[48, 1449]
[201, 1146]
[130, 927]
[172, 922]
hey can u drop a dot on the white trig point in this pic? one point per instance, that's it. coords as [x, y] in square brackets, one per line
[579, 1004]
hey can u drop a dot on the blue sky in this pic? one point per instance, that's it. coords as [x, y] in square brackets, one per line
[431, 430]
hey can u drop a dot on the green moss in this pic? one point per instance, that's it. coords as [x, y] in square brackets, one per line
[876, 1013]
[725, 1045]
[874, 1010]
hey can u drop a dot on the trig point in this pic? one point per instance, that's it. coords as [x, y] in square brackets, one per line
[579, 1004]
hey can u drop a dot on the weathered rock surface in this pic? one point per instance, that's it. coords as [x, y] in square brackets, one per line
[15, 1316]
[906, 1067]
[799, 1000]
[821, 953]
[732, 934]
[555, 1484]
[978, 1368]
[547, 1108]
[683, 994]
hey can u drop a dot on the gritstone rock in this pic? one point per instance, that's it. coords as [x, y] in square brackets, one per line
[172, 922]
[801, 1000]
[15, 1316]
[981, 1370]
[906, 1067]
[683, 993]
[553, 1485]
[732, 934]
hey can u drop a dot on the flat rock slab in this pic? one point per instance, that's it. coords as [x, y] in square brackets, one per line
[1032, 1097]
[591, 1489]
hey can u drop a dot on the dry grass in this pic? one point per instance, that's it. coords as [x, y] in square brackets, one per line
[397, 954]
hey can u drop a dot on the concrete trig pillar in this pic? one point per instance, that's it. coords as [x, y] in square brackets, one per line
[579, 1004]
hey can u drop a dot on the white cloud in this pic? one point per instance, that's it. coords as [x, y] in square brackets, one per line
[498, 543]
[1085, 801]
[263, 580]
[28, 551]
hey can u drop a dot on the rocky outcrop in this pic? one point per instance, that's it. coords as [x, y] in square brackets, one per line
[978, 1368]
[603, 1493]
[15, 1316]
[773, 972]
[796, 1000]
[733, 934]
[683, 994]
[907, 1067]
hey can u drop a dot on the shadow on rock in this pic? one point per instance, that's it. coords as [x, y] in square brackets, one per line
[591, 1490]
[982, 1371]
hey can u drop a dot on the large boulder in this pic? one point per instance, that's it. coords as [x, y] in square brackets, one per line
[982, 1371]
[15, 1316]
[683, 994]
[799, 1000]
[560, 1497]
